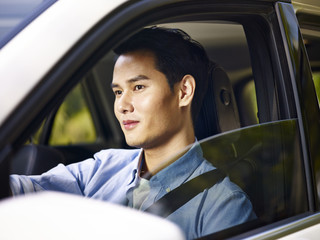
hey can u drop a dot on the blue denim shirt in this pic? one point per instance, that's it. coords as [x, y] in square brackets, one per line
[113, 174]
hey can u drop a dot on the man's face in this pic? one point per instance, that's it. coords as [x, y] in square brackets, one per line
[146, 108]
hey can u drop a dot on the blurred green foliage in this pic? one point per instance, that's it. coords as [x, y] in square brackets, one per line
[73, 122]
[316, 80]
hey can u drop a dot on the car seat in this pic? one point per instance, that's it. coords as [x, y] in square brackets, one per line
[219, 112]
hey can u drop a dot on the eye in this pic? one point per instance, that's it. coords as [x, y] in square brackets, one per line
[117, 92]
[138, 87]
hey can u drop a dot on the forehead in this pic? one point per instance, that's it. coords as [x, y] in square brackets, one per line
[138, 57]
[134, 64]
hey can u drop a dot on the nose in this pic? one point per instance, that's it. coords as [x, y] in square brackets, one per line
[124, 103]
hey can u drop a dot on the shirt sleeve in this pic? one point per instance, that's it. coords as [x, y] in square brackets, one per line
[57, 179]
[100, 176]
[230, 210]
[222, 206]
[225, 205]
[70, 179]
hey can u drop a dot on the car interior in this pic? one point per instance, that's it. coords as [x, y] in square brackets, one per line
[241, 127]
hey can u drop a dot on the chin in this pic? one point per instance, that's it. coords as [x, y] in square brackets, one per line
[134, 143]
[138, 144]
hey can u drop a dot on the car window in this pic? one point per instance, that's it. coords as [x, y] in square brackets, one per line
[310, 29]
[316, 80]
[241, 127]
[73, 122]
[246, 93]
[265, 162]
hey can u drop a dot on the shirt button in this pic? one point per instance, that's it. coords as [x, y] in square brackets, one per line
[168, 190]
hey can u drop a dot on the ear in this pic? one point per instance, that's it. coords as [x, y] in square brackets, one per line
[186, 91]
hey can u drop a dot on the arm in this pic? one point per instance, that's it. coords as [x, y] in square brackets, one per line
[225, 206]
[233, 209]
[92, 177]
[59, 178]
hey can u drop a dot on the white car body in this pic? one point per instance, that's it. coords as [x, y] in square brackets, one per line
[52, 215]
[35, 61]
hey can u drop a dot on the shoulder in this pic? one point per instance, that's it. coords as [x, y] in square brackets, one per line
[106, 160]
[226, 205]
[116, 159]
[226, 189]
[230, 202]
[126, 155]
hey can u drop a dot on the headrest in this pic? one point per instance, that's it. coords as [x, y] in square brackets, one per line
[219, 112]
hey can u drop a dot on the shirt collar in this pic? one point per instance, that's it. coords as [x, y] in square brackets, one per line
[181, 170]
[136, 167]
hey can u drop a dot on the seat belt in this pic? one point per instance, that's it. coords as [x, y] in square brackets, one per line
[184, 193]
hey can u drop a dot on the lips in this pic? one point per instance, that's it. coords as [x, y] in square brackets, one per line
[130, 124]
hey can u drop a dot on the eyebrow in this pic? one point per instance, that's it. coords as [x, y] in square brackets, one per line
[132, 80]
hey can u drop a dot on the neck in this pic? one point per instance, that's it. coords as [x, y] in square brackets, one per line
[157, 158]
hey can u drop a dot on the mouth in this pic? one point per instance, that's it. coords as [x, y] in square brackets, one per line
[130, 124]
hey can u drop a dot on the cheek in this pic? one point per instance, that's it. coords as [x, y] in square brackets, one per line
[146, 106]
[115, 111]
[151, 102]
[157, 108]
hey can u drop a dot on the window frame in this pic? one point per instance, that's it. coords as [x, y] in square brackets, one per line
[285, 106]
[304, 95]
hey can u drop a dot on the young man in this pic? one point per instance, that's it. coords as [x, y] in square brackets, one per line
[159, 79]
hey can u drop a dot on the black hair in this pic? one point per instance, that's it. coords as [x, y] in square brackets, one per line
[176, 55]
